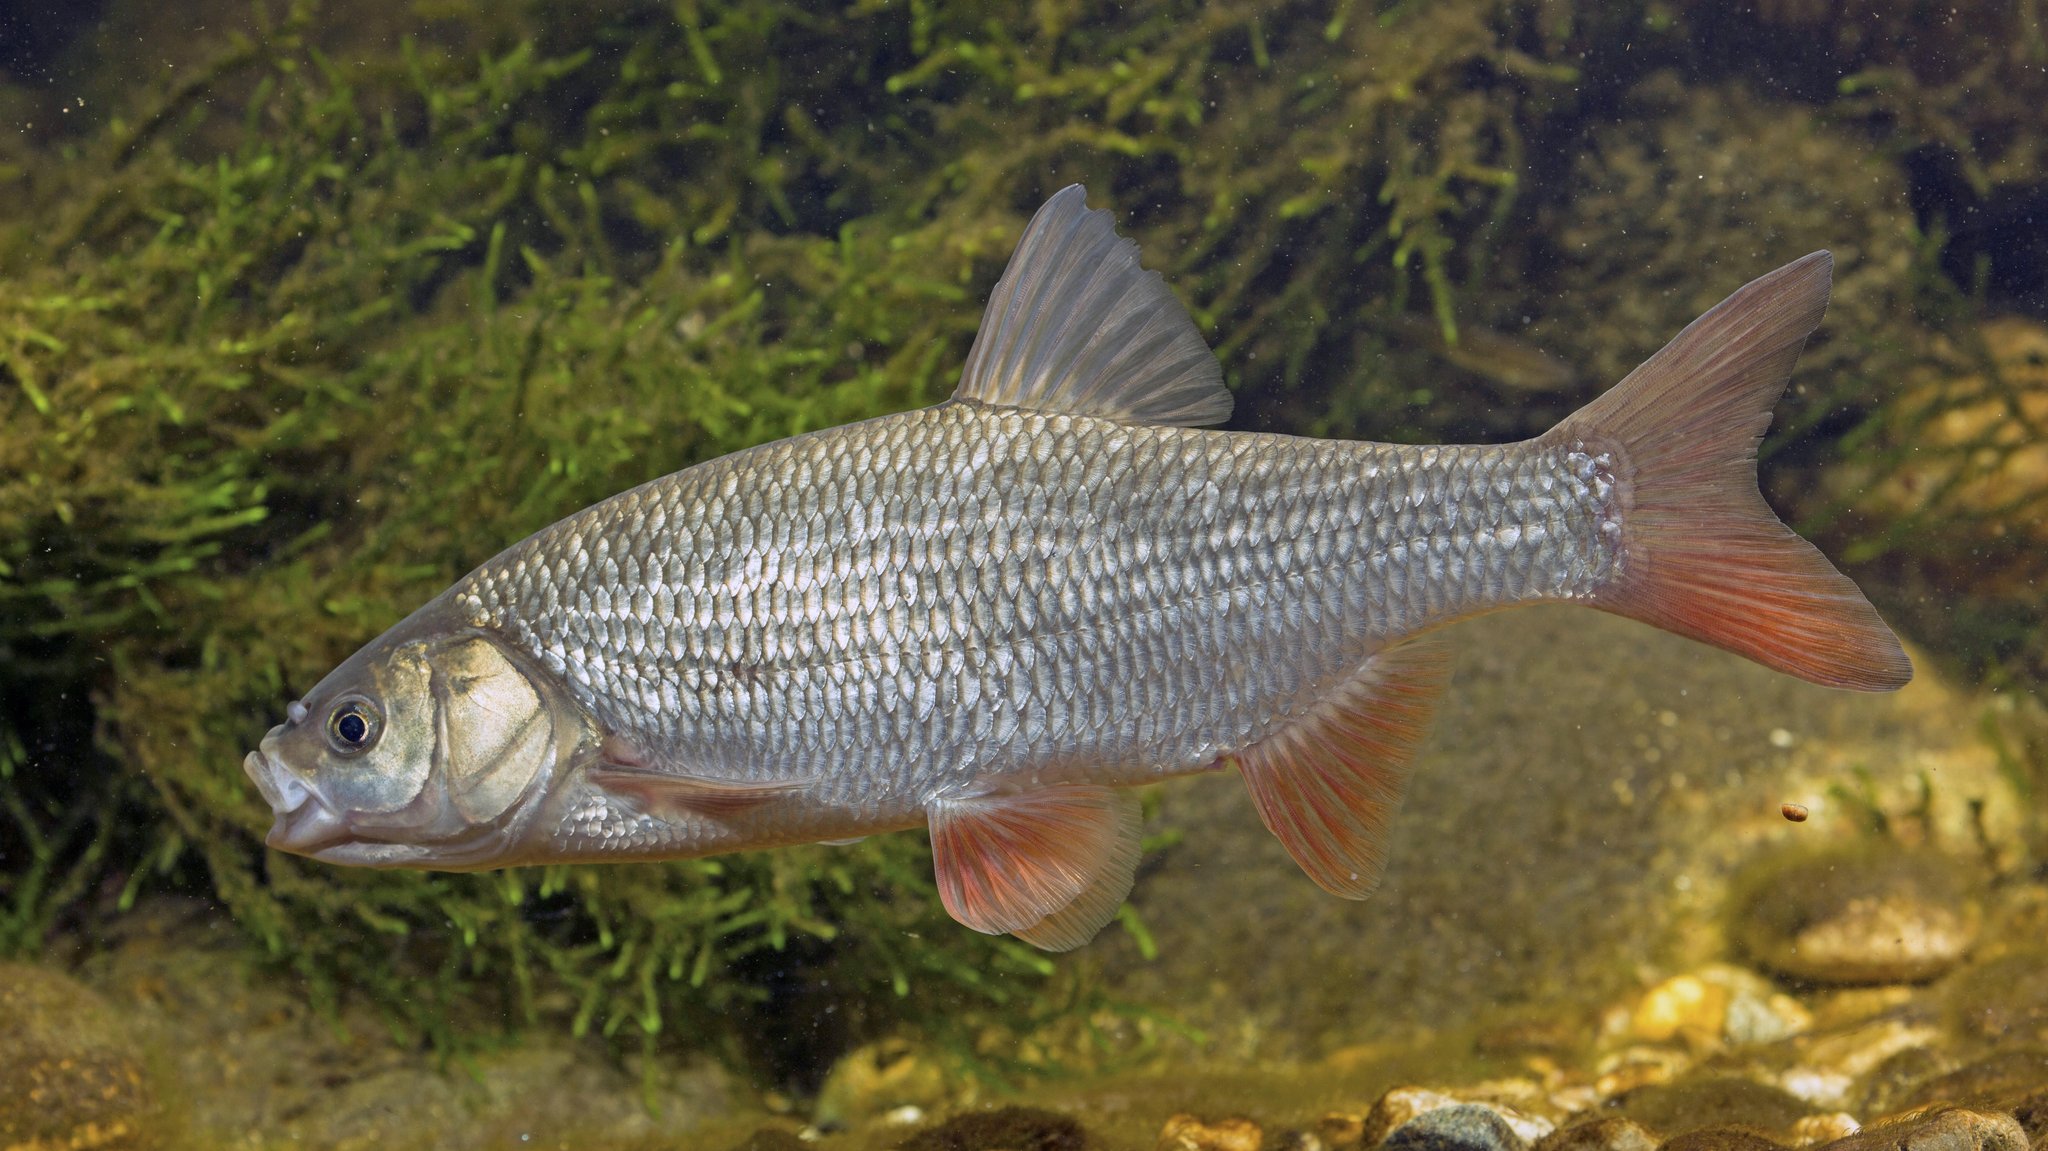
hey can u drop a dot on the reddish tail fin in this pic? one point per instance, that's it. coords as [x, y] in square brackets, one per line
[1703, 555]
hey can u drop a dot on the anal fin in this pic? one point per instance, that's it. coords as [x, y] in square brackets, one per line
[1050, 865]
[1329, 784]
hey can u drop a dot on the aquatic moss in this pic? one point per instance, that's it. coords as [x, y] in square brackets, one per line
[299, 332]
[307, 335]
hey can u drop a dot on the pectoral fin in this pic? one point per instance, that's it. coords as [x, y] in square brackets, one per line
[624, 771]
[1050, 866]
[1328, 785]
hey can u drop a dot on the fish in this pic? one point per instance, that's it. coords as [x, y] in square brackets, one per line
[993, 618]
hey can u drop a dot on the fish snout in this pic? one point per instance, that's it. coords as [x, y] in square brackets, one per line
[305, 823]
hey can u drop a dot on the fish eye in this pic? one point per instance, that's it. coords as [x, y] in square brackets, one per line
[353, 725]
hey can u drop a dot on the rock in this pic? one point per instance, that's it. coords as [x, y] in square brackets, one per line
[1999, 1083]
[1872, 914]
[1719, 1101]
[1941, 1131]
[1626, 1070]
[70, 1074]
[1841, 1066]
[1191, 1133]
[1727, 1137]
[1717, 1005]
[2032, 1114]
[1009, 1128]
[1610, 1134]
[1835, 1060]
[1403, 1105]
[1341, 1130]
[1887, 1088]
[878, 1078]
[2003, 1000]
[1459, 1127]
[1824, 1128]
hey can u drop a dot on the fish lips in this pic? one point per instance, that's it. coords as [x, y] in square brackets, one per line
[305, 824]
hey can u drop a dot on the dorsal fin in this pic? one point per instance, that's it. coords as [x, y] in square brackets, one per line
[1075, 325]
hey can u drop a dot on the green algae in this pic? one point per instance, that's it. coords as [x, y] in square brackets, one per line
[292, 340]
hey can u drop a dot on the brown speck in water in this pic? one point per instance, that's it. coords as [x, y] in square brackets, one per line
[1794, 812]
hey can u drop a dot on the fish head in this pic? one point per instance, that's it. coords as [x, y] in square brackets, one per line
[426, 750]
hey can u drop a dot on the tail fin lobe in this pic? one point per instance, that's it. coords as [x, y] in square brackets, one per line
[1703, 554]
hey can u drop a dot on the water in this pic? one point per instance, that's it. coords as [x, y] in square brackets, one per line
[306, 309]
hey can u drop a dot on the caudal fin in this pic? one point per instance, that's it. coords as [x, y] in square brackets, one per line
[1702, 554]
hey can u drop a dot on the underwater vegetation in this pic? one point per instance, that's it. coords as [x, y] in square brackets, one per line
[299, 330]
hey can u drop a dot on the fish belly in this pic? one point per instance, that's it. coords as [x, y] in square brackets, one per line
[925, 603]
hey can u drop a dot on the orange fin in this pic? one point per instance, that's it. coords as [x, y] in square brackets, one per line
[1051, 865]
[626, 771]
[1077, 922]
[1328, 785]
[1702, 554]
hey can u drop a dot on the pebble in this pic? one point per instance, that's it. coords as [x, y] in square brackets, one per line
[1193, 1133]
[1404, 1105]
[1459, 1127]
[1341, 1129]
[875, 1080]
[2032, 1115]
[1724, 1100]
[1998, 1082]
[1940, 1131]
[1828, 1127]
[1858, 916]
[1834, 1062]
[1610, 1134]
[1717, 1005]
[1727, 1137]
[1633, 1067]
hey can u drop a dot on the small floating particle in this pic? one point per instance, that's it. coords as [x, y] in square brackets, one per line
[1794, 812]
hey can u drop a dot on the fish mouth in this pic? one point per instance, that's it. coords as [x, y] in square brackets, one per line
[305, 824]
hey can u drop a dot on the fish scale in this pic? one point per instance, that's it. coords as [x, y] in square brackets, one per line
[993, 616]
[1252, 545]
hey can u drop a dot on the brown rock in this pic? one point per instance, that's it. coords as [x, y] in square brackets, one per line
[1610, 1134]
[1730, 1137]
[1998, 1083]
[1191, 1133]
[1403, 1105]
[2032, 1114]
[69, 1073]
[1826, 1127]
[1462, 1127]
[1721, 1103]
[1871, 914]
[1950, 1130]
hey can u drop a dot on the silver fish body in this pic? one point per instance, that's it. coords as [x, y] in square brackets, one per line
[990, 615]
[947, 598]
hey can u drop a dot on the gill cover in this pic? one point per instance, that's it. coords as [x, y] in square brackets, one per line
[494, 731]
